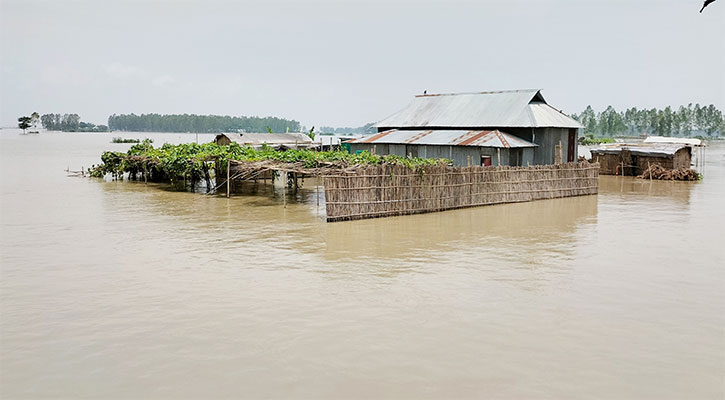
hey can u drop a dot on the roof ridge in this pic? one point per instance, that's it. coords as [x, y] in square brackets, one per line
[485, 92]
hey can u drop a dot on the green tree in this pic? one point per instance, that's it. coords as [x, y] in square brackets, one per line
[24, 123]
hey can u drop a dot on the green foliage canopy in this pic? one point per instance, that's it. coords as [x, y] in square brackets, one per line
[191, 160]
[685, 121]
[24, 123]
[199, 123]
[69, 123]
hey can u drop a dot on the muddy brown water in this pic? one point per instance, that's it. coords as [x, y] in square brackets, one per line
[127, 290]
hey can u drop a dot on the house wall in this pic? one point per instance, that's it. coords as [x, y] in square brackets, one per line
[547, 139]
[460, 155]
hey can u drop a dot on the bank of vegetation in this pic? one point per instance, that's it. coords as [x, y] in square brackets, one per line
[69, 123]
[192, 162]
[589, 140]
[199, 123]
[691, 120]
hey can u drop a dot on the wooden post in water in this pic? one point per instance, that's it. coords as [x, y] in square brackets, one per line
[228, 183]
[284, 189]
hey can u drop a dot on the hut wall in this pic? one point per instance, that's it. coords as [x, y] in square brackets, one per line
[388, 190]
[636, 164]
[641, 163]
[683, 158]
[608, 163]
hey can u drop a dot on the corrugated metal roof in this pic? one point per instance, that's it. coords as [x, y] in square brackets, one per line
[447, 138]
[662, 139]
[667, 150]
[514, 109]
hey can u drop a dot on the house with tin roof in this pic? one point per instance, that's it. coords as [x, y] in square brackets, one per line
[514, 127]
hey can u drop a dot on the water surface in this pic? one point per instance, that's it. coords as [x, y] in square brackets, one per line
[127, 290]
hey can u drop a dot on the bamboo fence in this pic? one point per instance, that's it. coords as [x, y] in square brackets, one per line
[388, 190]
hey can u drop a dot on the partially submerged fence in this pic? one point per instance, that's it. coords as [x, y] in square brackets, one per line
[387, 190]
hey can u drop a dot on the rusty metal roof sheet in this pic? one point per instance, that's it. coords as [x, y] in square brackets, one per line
[476, 138]
[502, 109]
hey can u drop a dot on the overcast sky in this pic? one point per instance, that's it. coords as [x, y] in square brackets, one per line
[345, 63]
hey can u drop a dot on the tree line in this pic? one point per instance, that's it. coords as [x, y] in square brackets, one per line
[69, 123]
[706, 121]
[199, 123]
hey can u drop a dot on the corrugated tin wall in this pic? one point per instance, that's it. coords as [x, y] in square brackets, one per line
[460, 155]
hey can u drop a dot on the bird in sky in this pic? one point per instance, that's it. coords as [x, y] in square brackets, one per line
[707, 3]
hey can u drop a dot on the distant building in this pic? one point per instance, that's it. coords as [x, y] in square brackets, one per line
[634, 159]
[519, 125]
[279, 141]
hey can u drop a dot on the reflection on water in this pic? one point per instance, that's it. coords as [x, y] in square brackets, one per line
[126, 289]
[637, 189]
[541, 223]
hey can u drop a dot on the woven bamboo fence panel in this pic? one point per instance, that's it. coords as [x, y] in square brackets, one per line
[388, 190]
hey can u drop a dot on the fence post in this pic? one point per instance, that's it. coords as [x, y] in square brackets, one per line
[228, 183]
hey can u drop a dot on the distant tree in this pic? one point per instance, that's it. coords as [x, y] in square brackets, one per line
[588, 119]
[24, 123]
[34, 117]
[48, 121]
[199, 123]
[686, 120]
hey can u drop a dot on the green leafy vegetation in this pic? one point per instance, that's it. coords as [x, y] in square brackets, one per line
[706, 121]
[588, 140]
[199, 123]
[24, 123]
[193, 162]
[69, 123]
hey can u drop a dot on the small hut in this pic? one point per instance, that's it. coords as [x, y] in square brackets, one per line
[278, 141]
[634, 159]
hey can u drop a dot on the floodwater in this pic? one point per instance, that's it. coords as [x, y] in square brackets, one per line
[130, 290]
